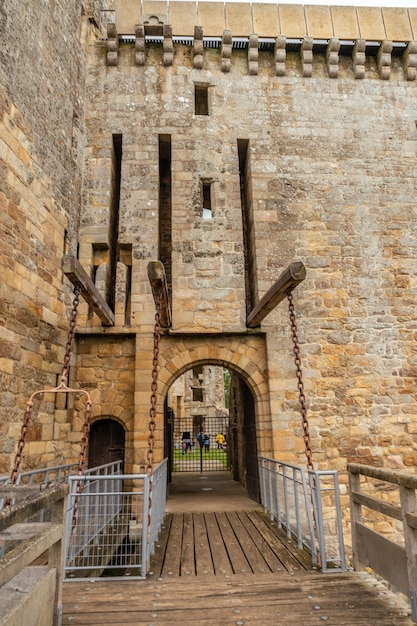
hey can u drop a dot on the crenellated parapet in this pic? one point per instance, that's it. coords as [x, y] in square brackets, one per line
[312, 32]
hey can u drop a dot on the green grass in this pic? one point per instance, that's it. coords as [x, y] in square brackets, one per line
[212, 455]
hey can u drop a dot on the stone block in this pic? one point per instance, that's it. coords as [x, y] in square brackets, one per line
[345, 22]
[265, 19]
[319, 22]
[212, 18]
[127, 16]
[412, 14]
[371, 23]
[292, 20]
[29, 598]
[397, 24]
[239, 18]
[155, 7]
[182, 17]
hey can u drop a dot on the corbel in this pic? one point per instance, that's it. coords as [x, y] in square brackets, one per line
[332, 57]
[307, 57]
[226, 50]
[358, 58]
[112, 44]
[410, 60]
[253, 55]
[167, 45]
[384, 59]
[280, 55]
[198, 48]
[139, 44]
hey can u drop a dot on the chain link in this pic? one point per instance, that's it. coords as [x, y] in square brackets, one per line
[71, 333]
[300, 384]
[81, 466]
[154, 385]
[152, 411]
[64, 376]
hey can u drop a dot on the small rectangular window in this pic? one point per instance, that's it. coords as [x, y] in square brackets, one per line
[206, 190]
[201, 99]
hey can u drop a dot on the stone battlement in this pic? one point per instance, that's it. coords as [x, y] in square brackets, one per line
[269, 20]
[329, 31]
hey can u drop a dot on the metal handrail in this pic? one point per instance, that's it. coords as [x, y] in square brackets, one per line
[292, 495]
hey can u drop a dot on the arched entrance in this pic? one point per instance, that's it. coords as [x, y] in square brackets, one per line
[210, 425]
[106, 442]
[197, 418]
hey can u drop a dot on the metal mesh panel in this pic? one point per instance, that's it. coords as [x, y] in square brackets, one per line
[105, 527]
[200, 446]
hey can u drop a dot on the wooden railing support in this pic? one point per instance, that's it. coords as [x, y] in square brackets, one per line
[394, 562]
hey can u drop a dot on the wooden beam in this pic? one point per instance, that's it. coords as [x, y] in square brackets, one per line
[157, 278]
[289, 279]
[75, 272]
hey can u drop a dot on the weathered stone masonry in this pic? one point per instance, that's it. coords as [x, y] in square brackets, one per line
[306, 147]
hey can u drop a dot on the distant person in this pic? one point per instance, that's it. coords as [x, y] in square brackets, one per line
[207, 443]
[200, 439]
[220, 441]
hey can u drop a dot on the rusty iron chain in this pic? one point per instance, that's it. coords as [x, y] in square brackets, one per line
[154, 385]
[81, 466]
[71, 333]
[64, 376]
[152, 410]
[21, 443]
[300, 384]
[303, 407]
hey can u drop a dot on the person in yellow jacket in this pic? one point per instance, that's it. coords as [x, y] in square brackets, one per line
[220, 440]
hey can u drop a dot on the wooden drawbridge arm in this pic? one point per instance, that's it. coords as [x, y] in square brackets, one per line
[75, 272]
[289, 279]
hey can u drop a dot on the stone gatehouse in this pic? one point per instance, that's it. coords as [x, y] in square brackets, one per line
[226, 141]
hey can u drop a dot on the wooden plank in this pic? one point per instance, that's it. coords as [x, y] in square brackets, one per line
[271, 559]
[383, 556]
[26, 552]
[187, 565]
[280, 544]
[203, 555]
[75, 272]
[172, 563]
[255, 558]
[158, 557]
[376, 504]
[287, 281]
[157, 278]
[23, 531]
[382, 473]
[236, 554]
[219, 554]
[308, 598]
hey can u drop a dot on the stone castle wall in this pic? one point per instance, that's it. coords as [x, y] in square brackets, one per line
[42, 77]
[328, 171]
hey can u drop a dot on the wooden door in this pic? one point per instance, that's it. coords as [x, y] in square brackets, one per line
[106, 443]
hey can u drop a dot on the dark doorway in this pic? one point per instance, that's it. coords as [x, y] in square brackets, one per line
[107, 443]
[243, 451]
[249, 433]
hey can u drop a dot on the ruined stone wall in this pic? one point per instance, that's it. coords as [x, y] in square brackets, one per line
[42, 74]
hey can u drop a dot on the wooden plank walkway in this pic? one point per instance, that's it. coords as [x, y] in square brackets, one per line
[232, 569]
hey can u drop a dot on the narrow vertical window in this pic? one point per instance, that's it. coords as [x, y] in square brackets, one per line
[201, 100]
[246, 198]
[165, 207]
[207, 210]
[116, 177]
